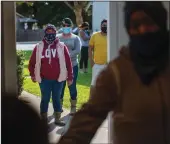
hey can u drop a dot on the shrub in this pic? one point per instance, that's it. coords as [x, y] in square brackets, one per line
[20, 73]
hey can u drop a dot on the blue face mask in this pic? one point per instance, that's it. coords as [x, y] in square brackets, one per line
[67, 30]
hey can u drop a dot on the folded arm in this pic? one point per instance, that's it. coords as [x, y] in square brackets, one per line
[77, 49]
[83, 36]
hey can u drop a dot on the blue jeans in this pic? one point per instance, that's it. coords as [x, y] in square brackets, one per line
[47, 87]
[73, 87]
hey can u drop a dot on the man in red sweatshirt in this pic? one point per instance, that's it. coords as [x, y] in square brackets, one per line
[51, 71]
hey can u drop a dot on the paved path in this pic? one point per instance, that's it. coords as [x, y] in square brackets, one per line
[56, 131]
[25, 45]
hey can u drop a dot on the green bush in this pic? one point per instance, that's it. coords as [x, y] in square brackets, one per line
[20, 72]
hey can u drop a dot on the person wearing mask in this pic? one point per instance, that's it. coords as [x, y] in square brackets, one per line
[84, 37]
[50, 65]
[74, 46]
[135, 85]
[98, 52]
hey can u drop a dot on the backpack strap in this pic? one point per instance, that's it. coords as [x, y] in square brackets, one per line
[115, 70]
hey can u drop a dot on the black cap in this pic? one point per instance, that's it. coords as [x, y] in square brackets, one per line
[67, 21]
[155, 10]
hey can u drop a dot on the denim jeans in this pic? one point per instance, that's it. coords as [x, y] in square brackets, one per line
[47, 87]
[73, 87]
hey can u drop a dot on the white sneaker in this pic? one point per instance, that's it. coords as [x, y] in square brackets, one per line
[86, 70]
[81, 71]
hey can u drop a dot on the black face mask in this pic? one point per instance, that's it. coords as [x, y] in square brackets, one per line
[86, 28]
[104, 29]
[50, 38]
[149, 53]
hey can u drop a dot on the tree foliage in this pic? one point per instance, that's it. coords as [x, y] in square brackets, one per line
[79, 8]
[54, 11]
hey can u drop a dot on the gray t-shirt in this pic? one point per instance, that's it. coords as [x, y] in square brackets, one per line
[73, 44]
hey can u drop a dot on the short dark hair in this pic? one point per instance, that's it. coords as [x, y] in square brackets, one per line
[84, 24]
[103, 21]
[67, 21]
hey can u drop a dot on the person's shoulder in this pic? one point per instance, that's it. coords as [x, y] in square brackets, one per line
[59, 35]
[74, 36]
[62, 44]
[39, 44]
[96, 33]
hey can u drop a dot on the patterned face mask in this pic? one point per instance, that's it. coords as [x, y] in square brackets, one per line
[50, 34]
[50, 37]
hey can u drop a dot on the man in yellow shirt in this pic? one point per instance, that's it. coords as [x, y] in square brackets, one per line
[98, 52]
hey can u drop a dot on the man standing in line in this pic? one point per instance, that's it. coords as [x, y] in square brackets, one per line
[98, 52]
[74, 46]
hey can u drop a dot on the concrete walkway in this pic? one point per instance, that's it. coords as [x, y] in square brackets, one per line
[56, 131]
[26, 46]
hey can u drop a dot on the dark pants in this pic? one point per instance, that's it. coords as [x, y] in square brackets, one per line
[47, 87]
[73, 87]
[84, 57]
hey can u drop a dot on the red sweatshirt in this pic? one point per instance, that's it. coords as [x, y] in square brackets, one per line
[50, 71]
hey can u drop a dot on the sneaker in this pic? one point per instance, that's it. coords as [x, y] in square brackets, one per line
[81, 71]
[86, 70]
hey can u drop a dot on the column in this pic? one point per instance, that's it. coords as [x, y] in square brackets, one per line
[8, 49]
[112, 50]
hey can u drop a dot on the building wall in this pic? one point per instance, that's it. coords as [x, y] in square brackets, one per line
[100, 12]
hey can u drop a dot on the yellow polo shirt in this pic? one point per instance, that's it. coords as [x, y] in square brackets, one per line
[99, 42]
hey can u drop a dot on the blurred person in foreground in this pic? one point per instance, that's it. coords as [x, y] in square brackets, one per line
[73, 44]
[50, 65]
[98, 52]
[135, 85]
[20, 123]
[84, 35]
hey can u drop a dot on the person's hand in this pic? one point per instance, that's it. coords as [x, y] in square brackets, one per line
[33, 79]
[92, 63]
[69, 82]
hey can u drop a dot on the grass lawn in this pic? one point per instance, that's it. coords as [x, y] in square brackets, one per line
[83, 85]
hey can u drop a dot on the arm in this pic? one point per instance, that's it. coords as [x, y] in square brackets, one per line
[77, 49]
[91, 49]
[88, 119]
[32, 61]
[68, 64]
[83, 36]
